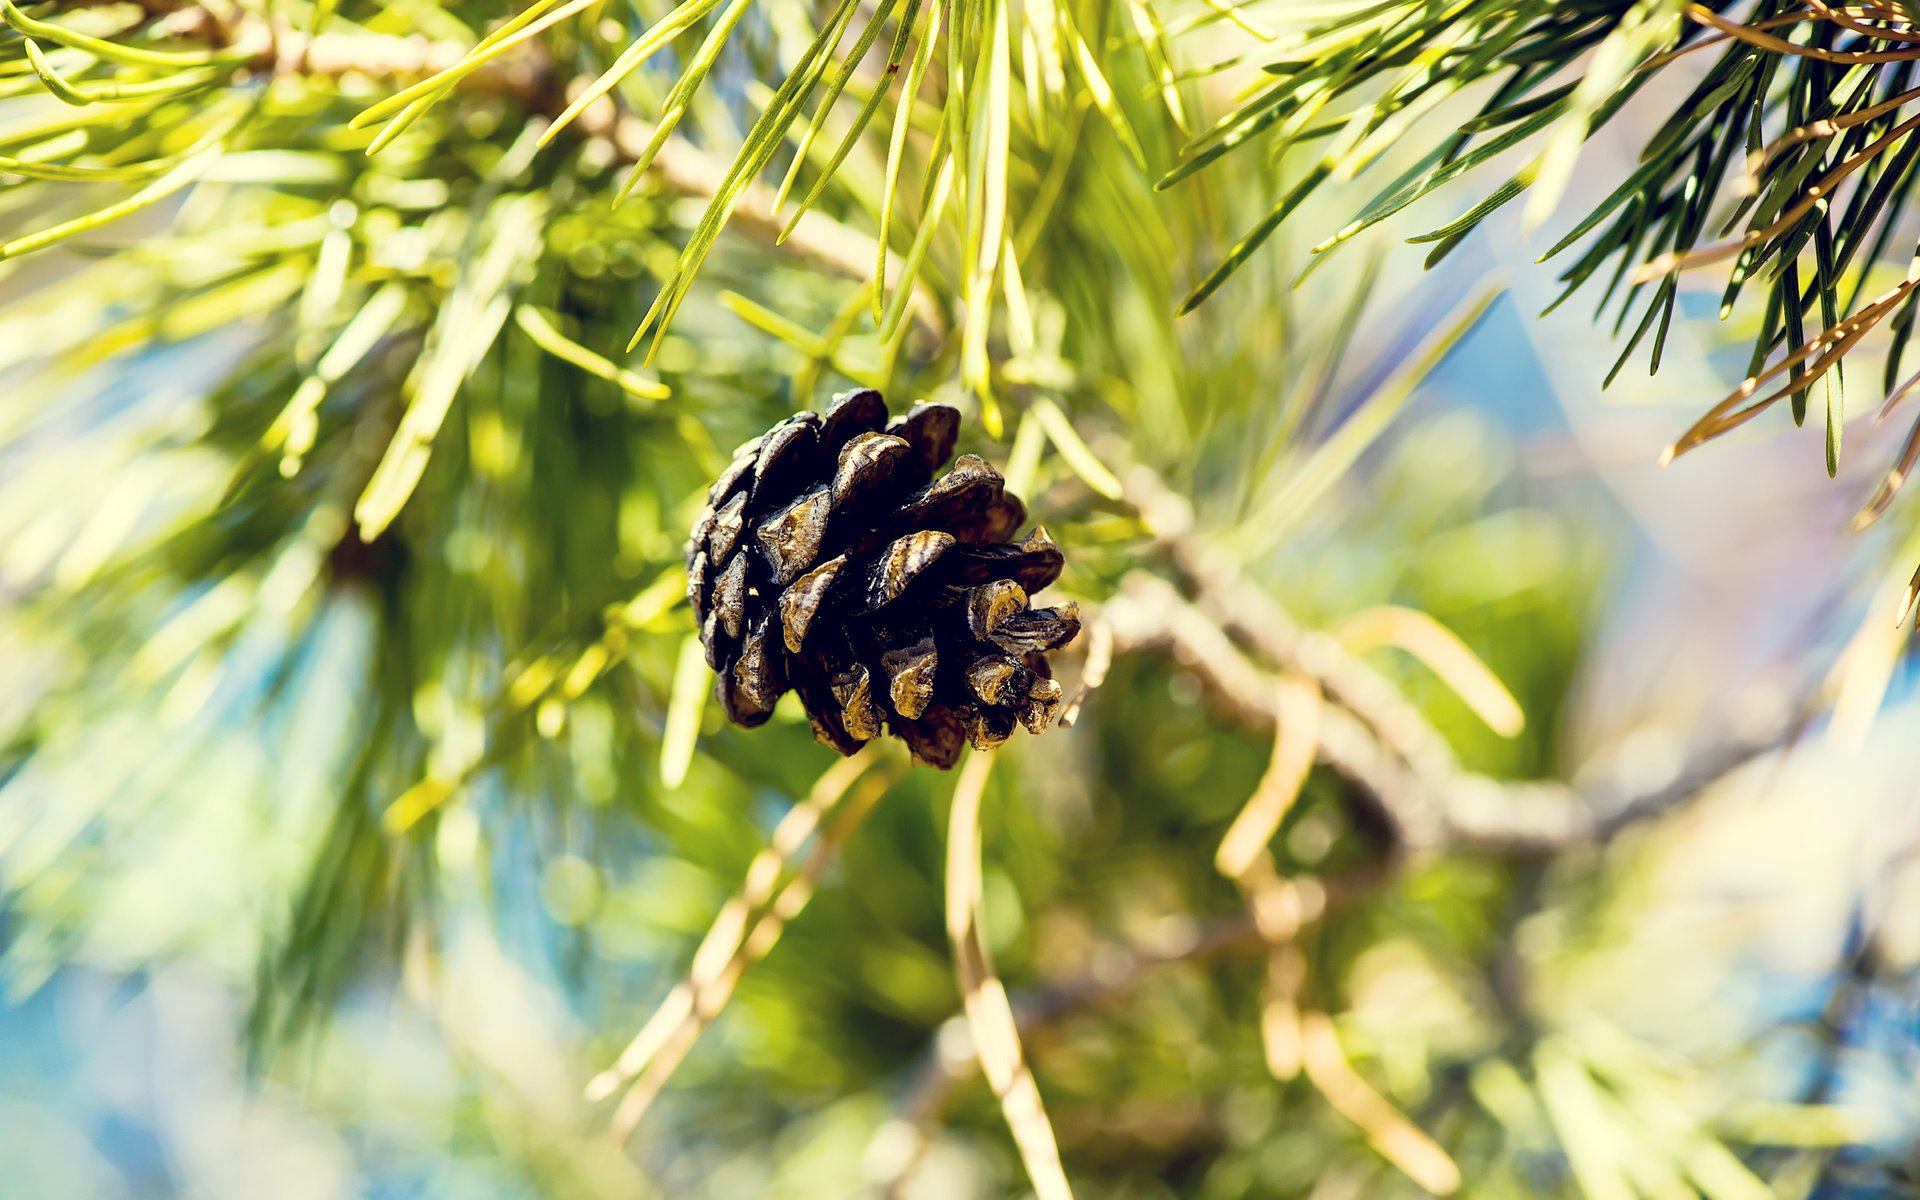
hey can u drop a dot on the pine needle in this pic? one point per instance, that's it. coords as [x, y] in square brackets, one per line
[776, 890]
[1295, 740]
[996, 1037]
[1443, 653]
[685, 705]
[1398, 1140]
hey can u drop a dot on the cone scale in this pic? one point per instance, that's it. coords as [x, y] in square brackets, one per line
[830, 561]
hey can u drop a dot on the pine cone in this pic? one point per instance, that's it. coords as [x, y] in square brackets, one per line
[829, 560]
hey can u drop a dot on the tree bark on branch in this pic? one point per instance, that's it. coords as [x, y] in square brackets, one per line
[1371, 735]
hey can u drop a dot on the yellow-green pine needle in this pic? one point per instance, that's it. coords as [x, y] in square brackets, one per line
[685, 706]
[541, 331]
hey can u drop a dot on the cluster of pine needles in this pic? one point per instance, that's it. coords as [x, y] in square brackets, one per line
[1791, 156]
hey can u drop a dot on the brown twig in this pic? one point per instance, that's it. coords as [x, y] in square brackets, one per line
[1430, 808]
[1239, 608]
[1147, 614]
[1371, 734]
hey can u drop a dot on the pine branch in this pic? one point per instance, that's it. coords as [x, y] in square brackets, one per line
[1370, 733]
[265, 47]
[1429, 807]
[1794, 133]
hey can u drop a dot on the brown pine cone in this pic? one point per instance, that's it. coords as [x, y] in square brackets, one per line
[829, 560]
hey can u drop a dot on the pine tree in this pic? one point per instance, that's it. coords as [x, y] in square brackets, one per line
[366, 365]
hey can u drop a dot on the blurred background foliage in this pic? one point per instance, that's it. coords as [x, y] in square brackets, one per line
[356, 800]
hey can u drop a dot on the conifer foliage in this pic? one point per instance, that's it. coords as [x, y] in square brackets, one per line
[365, 364]
[1788, 162]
